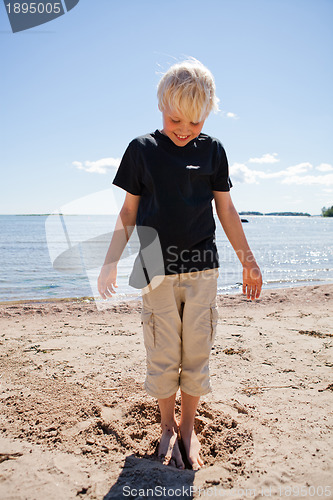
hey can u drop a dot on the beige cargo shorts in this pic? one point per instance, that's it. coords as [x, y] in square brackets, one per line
[179, 319]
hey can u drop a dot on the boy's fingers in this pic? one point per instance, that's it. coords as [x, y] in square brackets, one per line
[105, 294]
[251, 291]
[107, 290]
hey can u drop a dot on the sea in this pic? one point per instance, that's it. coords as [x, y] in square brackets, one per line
[50, 256]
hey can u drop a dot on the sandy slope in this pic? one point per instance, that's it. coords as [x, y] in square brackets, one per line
[76, 422]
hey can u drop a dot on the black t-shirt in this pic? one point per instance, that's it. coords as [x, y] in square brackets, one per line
[176, 184]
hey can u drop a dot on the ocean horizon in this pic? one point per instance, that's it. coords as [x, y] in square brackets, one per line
[291, 251]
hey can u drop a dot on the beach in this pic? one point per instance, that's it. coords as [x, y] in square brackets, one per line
[77, 423]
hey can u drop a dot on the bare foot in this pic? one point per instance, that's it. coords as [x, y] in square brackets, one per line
[192, 448]
[168, 449]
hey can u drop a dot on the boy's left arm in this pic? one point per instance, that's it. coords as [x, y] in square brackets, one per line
[232, 226]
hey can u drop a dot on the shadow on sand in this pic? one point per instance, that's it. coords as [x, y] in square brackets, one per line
[148, 478]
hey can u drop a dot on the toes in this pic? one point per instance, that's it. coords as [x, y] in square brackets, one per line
[196, 463]
[195, 466]
[169, 452]
[164, 459]
[173, 462]
[176, 462]
[179, 463]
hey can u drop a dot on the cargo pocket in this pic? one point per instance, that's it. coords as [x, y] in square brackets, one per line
[213, 322]
[149, 327]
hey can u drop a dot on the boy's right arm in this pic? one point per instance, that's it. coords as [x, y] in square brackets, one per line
[107, 280]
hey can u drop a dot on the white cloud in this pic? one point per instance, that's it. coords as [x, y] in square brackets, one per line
[325, 167]
[288, 172]
[300, 168]
[101, 166]
[239, 172]
[232, 115]
[266, 158]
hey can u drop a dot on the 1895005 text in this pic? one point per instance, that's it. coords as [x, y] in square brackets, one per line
[33, 8]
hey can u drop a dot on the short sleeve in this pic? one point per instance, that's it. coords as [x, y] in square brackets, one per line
[128, 176]
[221, 180]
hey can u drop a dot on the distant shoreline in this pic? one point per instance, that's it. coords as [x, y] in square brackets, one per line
[281, 214]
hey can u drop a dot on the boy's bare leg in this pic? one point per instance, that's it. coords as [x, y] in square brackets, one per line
[191, 443]
[168, 449]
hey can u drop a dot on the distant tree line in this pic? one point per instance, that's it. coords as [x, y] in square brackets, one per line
[276, 213]
[327, 212]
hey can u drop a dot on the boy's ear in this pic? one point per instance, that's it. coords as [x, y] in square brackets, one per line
[159, 107]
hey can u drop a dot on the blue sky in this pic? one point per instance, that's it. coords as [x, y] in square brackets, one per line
[76, 90]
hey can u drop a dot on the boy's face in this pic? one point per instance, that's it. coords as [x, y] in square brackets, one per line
[179, 129]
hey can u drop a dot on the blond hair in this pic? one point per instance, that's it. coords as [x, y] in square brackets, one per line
[188, 88]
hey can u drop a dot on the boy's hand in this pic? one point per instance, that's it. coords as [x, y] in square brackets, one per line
[252, 281]
[107, 281]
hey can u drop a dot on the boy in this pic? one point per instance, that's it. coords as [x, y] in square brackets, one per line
[170, 178]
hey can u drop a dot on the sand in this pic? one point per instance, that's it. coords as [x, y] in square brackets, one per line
[77, 423]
